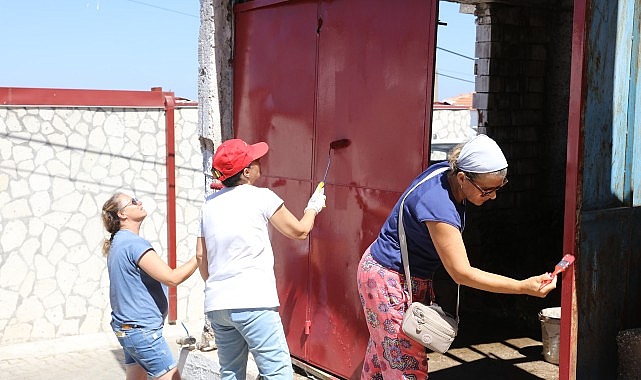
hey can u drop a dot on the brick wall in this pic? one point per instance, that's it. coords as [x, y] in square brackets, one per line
[518, 51]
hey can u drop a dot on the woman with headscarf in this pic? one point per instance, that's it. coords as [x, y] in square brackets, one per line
[433, 219]
[237, 262]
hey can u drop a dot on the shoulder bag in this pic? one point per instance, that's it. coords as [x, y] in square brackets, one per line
[428, 325]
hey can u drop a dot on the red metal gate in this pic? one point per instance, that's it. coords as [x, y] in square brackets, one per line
[311, 72]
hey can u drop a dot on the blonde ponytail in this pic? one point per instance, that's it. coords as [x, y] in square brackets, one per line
[110, 220]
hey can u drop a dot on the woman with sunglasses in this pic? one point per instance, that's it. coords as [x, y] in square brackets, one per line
[137, 290]
[433, 219]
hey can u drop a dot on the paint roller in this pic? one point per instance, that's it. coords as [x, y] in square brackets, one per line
[336, 144]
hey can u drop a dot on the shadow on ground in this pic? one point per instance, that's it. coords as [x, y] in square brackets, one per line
[488, 347]
[489, 368]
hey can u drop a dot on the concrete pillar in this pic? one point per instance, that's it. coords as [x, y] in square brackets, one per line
[215, 77]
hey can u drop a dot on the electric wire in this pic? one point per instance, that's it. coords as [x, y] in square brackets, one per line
[162, 8]
[455, 53]
[191, 15]
[452, 77]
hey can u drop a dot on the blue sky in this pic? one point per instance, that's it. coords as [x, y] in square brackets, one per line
[459, 37]
[136, 45]
[100, 44]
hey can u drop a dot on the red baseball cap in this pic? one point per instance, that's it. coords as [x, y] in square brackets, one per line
[234, 155]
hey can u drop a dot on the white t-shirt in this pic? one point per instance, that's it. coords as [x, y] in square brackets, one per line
[233, 223]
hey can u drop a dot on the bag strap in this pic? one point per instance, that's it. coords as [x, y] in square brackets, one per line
[403, 240]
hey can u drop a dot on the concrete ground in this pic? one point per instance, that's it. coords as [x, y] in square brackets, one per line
[487, 349]
[481, 352]
[99, 357]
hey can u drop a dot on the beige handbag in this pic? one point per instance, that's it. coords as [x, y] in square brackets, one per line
[428, 325]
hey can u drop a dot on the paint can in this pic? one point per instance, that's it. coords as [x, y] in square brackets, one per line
[550, 333]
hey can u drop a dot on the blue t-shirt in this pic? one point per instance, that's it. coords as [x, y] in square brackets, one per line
[430, 201]
[135, 297]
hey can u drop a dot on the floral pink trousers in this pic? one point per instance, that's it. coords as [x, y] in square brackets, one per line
[390, 354]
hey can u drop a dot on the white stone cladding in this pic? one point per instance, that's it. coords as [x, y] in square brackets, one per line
[451, 126]
[58, 166]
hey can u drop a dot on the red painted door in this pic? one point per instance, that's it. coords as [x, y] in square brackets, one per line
[274, 101]
[311, 72]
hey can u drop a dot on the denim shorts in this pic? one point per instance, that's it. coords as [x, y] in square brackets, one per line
[148, 348]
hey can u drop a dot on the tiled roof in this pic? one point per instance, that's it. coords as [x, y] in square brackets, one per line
[462, 100]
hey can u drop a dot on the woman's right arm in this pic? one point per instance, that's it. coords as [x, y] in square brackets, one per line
[451, 250]
[287, 224]
[154, 266]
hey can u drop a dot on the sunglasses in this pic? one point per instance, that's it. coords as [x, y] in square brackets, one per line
[489, 191]
[133, 201]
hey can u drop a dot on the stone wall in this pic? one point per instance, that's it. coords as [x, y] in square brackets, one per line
[59, 165]
[451, 126]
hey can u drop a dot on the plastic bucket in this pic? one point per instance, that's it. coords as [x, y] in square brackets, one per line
[550, 332]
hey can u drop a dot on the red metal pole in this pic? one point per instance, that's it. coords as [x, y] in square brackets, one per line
[573, 191]
[170, 103]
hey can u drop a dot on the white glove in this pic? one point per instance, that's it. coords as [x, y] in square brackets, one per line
[317, 200]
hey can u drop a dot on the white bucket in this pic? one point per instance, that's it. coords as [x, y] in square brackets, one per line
[550, 333]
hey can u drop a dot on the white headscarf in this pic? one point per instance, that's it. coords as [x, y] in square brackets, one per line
[481, 155]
